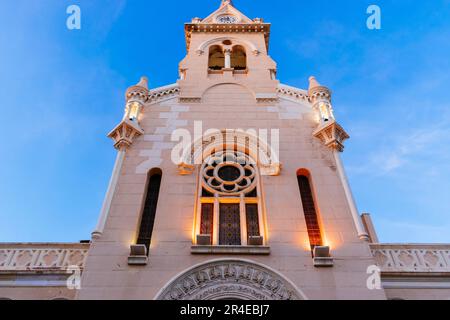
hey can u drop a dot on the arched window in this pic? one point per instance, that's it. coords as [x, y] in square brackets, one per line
[149, 212]
[239, 58]
[309, 208]
[229, 210]
[216, 58]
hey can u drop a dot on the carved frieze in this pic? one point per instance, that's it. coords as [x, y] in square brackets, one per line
[230, 279]
[412, 258]
[43, 258]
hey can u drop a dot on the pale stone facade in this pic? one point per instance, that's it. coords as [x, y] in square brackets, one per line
[277, 262]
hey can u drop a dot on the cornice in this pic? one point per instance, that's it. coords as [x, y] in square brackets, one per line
[163, 93]
[227, 28]
[292, 93]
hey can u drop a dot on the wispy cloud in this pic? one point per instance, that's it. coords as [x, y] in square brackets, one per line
[412, 232]
[407, 148]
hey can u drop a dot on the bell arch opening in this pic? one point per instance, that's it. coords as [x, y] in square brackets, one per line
[230, 279]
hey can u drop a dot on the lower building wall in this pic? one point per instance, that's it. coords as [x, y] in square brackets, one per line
[37, 293]
[418, 294]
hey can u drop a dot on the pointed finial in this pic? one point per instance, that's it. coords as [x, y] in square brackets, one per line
[143, 83]
[225, 2]
[138, 92]
[317, 91]
[313, 83]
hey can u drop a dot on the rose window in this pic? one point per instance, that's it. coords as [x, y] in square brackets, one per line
[229, 173]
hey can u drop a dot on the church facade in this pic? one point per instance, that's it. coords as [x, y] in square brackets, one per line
[228, 185]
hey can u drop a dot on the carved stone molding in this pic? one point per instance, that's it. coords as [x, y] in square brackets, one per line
[137, 93]
[319, 93]
[230, 279]
[125, 133]
[42, 257]
[185, 169]
[252, 145]
[190, 100]
[332, 135]
[163, 93]
[412, 258]
[191, 28]
[273, 169]
[292, 93]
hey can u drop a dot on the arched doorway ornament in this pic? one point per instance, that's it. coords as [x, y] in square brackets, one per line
[230, 279]
[264, 155]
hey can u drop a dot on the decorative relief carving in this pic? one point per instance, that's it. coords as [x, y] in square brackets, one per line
[163, 93]
[267, 100]
[125, 133]
[38, 259]
[292, 93]
[229, 173]
[332, 135]
[190, 100]
[267, 159]
[413, 258]
[185, 169]
[319, 93]
[230, 279]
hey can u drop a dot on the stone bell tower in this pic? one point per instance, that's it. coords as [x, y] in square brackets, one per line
[224, 47]
[228, 184]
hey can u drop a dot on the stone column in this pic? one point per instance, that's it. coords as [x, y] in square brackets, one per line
[362, 234]
[227, 58]
[109, 195]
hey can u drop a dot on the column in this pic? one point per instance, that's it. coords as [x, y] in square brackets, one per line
[109, 194]
[362, 234]
[227, 58]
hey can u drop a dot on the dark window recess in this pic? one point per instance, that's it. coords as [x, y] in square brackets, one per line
[148, 216]
[230, 225]
[206, 193]
[206, 224]
[312, 222]
[252, 194]
[252, 220]
[229, 173]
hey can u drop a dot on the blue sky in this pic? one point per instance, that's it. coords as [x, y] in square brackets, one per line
[61, 91]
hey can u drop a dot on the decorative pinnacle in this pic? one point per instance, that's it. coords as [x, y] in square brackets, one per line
[313, 83]
[139, 91]
[143, 83]
[225, 2]
[317, 92]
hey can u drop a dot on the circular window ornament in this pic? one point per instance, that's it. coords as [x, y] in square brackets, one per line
[229, 173]
[227, 19]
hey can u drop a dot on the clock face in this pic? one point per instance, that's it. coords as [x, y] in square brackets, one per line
[227, 19]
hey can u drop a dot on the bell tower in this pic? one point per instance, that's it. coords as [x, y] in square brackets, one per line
[227, 47]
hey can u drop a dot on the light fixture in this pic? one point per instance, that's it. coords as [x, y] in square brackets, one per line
[325, 112]
[133, 110]
[204, 240]
[322, 257]
[255, 240]
[138, 255]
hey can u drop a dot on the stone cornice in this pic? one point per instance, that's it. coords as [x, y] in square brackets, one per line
[292, 93]
[163, 93]
[40, 257]
[227, 28]
[412, 259]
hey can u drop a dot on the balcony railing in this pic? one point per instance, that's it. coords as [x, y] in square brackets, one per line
[42, 256]
[416, 258]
